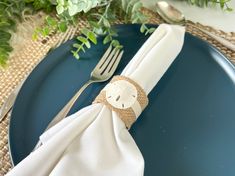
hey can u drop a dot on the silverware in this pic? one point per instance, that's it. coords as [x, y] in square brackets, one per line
[7, 106]
[102, 72]
[173, 16]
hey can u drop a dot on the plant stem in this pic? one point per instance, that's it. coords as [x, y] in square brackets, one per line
[99, 22]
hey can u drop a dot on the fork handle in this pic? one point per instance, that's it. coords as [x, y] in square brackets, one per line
[63, 112]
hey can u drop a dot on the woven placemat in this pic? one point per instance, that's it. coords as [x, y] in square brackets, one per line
[31, 52]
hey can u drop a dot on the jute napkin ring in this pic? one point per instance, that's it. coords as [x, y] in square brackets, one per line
[125, 97]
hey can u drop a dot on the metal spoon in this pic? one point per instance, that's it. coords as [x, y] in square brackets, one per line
[173, 16]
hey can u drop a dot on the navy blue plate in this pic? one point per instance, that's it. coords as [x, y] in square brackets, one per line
[188, 129]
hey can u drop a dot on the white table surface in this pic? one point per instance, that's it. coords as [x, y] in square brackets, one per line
[208, 16]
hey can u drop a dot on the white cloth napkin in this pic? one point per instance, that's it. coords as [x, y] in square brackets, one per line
[94, 141]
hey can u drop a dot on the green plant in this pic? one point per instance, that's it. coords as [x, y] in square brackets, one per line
[100, 14]
[201, 3]
[10, 12]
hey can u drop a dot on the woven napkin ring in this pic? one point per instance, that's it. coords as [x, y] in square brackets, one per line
[125, 97]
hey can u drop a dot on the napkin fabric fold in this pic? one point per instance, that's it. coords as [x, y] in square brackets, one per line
[94, 141]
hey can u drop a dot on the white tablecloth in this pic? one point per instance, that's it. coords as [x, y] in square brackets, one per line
[208, 16]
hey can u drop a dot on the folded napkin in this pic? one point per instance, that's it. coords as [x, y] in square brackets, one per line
[95, 141]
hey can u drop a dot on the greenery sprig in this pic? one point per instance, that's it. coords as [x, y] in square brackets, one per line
[10, 11]
[202, 3]
[100, 14]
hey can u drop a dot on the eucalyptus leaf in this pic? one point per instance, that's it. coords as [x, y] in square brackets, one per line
[60, 9]
[92, 37]
[84, 40]
[72, 9]
[85, 31]
[151, 30]
[88, 45]
[51, 21]
[113, 33]
[99, 31]
[83, 49]
[124, 4]
[137, 6]
[75, 54]
[107, 39]
[6, 47]
[60, 2]
[115, 43]
[62, 26]
[106, 23]
[94, 24]
[76, 45]
[45, 31]
[5, 35]
[142, 28]
[88, 6]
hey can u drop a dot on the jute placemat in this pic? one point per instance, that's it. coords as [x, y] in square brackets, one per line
[30, 52]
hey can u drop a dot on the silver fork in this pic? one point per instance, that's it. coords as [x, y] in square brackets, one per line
[102, 72]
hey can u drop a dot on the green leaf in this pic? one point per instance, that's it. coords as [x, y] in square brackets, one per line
[119, 47]
[73, 9]
[84, 40]
[94, 24]
[75, 54]
[61, 2]
[91, 36]
[5, 35]
[151, 30]
[76, 45]
[137, 6]
[130, 5]
[115, 43]
[59, 9]
[222, 4]
[6, 47]
[35, 35]
[99, 31]
[3, 57]
[51, 21]
[124, 4]
[42, 4]
[106, 23]
[107, 39]
[85, 31]
[134, 20]
[113, 33]
[45, 31]
[229, 9]
[147, 31]
[79, 47]
[62, 26]
[88, 45]
[83, 49]
[88, 6]
[4, 24]
[142, 28]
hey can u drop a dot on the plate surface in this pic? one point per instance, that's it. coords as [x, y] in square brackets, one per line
[188, 129]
